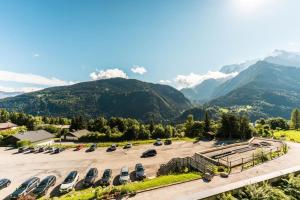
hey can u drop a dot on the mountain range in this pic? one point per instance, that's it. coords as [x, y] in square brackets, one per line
[262, 88]
[214, 88]
[111, 97]
[266, 89]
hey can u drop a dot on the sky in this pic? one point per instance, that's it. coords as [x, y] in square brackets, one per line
[176, 42]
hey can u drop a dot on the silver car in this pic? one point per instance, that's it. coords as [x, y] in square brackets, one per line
[124, 175]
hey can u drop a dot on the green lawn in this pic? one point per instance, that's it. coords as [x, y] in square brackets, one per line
[140, 142]
[161, 181]
[99, 192]
[291, 135]
[121, 144]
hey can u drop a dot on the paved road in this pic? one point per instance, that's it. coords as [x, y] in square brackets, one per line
[20, 167]
[193, 190]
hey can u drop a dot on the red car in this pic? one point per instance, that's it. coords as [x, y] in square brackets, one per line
[78, 147]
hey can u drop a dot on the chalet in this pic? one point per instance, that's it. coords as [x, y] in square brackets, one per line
[39, 138]
[7, 126]
[75, 135]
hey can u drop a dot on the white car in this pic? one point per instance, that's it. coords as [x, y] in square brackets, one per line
[69, 183]
[124, 175]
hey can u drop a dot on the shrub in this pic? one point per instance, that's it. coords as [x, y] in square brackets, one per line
[23, 143]
[51, 129]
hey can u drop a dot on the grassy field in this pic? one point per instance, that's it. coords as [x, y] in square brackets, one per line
[100, 193]
[121, 144]
[161, 181]
[290, 135]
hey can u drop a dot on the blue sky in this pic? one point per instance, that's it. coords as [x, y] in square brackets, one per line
[58, 42]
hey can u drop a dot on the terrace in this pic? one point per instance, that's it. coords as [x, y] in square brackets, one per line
[237, 154]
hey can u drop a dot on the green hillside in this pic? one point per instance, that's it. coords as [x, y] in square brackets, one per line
[111, 97]
[270, 89]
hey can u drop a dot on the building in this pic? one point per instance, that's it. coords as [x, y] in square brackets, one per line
[39, 138]
[76, 134]
[7, 126]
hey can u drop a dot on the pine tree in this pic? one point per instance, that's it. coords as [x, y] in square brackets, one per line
[188, 125]
[295, 119]
[207, 127]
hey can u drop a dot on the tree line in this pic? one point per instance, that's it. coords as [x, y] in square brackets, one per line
[228, 125]
[30, 121]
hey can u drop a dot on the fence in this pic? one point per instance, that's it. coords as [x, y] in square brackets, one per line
[196, 162]
[203, 163]
[260, 156]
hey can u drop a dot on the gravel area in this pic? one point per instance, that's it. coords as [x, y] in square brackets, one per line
[19, 167]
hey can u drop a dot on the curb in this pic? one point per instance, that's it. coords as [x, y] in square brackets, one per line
[168, 185]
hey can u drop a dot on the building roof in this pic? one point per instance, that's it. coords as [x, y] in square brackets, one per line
[7, 125]
[34, 136]
[79, 133]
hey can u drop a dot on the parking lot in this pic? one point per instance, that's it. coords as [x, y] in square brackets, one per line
[18, 167]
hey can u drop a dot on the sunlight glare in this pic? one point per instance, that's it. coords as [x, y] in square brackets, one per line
[249, 6]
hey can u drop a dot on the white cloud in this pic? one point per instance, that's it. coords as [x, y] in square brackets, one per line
[21, 90]
[31, 79]
[193, 79]
[165, 82]
[107, 74]
[138, 69]
[36, 55]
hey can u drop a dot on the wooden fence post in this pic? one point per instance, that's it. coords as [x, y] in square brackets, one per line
[227, 160]
[242, 164]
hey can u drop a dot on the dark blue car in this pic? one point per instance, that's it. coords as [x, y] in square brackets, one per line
[44, 186]
[4, 183]
[26, 188]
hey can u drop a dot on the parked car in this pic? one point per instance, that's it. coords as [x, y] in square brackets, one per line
[90, 177]
[41, 149]
[31, 149]
[44, 186]
[93, 147]
[26, 188]
[168, 142]
[4, 183]
[51, 149]
[79, 147]
[106, 177]
[158, 142]
[22, 149]
[113, 147]
[69, 183]
[148, 153]
[56, 151]
[208, 177]
[128, 146]
[140, 171]
[124, 175]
